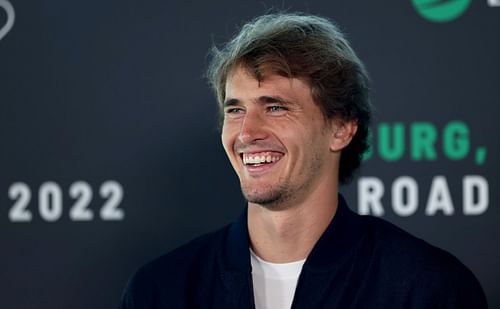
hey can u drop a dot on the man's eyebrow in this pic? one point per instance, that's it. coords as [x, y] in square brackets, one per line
[273, 99]
[261, 100]
[230, 102]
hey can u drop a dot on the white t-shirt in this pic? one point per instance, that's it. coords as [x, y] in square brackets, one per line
[274, 284]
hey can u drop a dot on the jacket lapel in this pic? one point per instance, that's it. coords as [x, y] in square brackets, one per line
[331, 263]
[235, 268]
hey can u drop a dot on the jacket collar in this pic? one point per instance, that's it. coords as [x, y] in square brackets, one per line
[337, 241]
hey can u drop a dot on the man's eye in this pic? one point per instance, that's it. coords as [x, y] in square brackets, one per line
[276, 108]
[234, 110]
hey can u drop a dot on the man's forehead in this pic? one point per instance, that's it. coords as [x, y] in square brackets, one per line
[242, 81]
[259, 73]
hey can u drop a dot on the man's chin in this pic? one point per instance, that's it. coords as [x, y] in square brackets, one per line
[269, 199]
[263, 201]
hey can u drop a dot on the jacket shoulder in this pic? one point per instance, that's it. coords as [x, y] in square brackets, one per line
[423, 268]
[174, 273]
[394, 243]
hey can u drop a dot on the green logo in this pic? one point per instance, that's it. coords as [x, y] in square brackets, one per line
[441, 10]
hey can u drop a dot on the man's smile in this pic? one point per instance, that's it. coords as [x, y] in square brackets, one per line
[265, 157]
[257, 163]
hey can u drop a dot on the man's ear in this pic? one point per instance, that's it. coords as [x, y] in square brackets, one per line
[342, 133]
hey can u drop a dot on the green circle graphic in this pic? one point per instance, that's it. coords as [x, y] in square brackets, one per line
[441, 10]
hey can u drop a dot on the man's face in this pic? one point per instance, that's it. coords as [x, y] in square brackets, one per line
[276, 138]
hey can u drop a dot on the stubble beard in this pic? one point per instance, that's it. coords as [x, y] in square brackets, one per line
[273, 197]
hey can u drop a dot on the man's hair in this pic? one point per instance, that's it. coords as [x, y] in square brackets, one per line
[310, 48]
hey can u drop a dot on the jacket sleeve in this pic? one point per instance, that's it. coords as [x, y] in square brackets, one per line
[138, 293]
[460, 289]
[466, 292]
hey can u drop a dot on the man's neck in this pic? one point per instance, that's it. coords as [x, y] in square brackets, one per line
[289, 235]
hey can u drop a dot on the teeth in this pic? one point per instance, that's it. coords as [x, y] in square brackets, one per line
[258, 159]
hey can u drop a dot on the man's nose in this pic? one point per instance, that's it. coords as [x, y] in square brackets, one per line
[252, 128]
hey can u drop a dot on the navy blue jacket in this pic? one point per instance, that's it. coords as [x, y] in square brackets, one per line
[359, 262]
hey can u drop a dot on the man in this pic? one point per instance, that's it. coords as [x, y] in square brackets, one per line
[294, 100]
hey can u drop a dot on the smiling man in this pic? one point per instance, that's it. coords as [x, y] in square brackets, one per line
[295, 116]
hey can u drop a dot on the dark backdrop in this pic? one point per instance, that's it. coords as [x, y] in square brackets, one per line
[110, 153]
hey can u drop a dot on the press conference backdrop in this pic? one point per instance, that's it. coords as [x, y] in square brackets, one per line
[110, 153]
